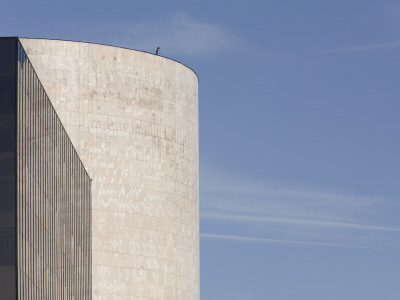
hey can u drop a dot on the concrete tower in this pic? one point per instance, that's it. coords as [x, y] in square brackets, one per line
[133, 120]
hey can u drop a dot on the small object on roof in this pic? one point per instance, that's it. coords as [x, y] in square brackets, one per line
[158, 48]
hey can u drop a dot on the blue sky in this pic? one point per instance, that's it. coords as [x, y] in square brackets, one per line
[299, 133]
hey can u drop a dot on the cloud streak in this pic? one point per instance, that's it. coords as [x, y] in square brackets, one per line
[275, 241]
[295, 221]
[262, 210]
[371, 47]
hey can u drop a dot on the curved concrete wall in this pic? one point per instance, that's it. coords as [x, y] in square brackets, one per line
[133, 118]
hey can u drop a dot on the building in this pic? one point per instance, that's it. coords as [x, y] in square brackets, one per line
[98, 173]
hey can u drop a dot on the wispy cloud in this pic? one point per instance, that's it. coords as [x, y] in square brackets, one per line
[370, 47]
[296, 221]
[259, 210]
[177, 34]
[275, 241]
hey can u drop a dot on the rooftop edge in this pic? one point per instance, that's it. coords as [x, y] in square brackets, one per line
[18, 37]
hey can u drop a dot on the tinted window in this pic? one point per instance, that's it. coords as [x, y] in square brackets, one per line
[7, 246]
[7, 94]
[7, 132]
[7, 283]
[7, 56]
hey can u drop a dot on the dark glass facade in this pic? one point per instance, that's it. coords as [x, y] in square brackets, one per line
[45, 226]
[8, 60]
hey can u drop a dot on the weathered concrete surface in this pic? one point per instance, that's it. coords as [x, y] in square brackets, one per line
[133, 118]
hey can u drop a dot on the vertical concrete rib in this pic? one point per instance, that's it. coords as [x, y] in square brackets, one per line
[49, 187]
